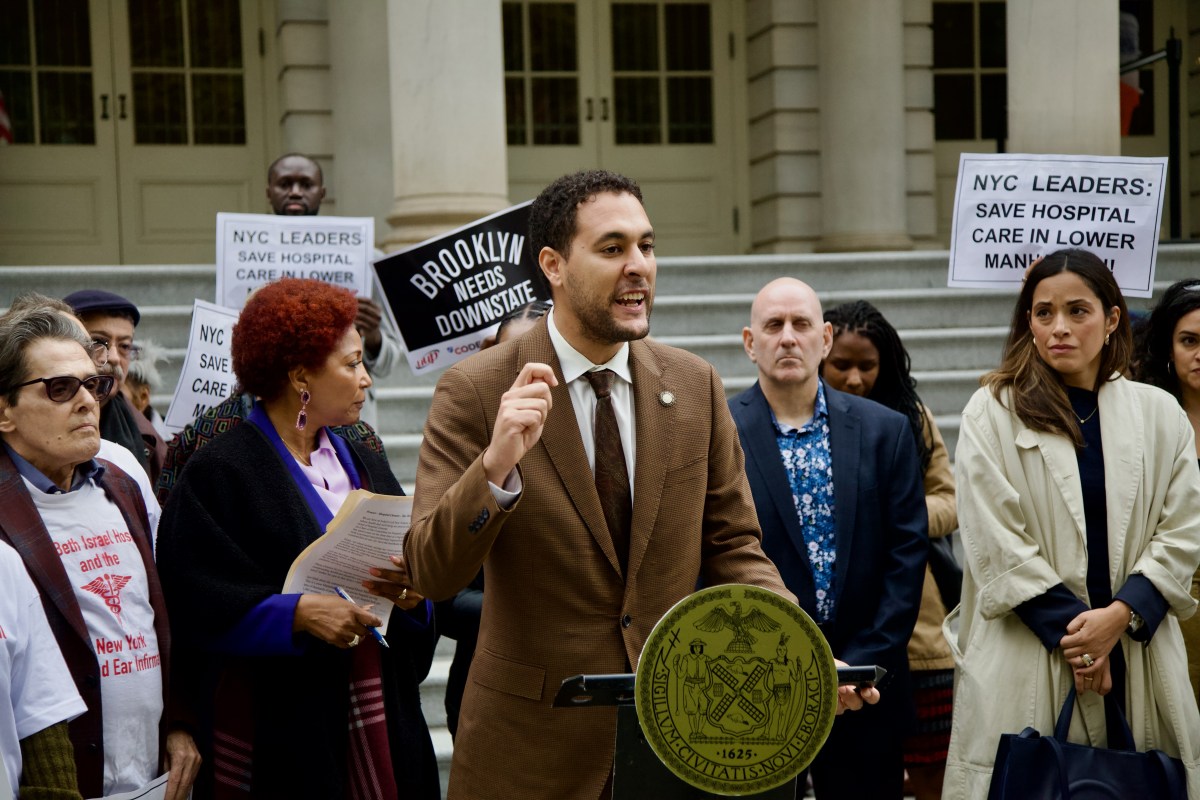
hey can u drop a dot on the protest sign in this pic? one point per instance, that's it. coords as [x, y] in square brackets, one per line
[253, 249]
[450, 292]
[1010, 209]
[207, 375]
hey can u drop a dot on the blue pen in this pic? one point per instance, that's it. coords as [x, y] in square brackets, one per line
[374, 631]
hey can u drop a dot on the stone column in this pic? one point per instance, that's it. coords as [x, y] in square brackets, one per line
[861, 90]
[362, 116]
[1063, 74]
[448, 140]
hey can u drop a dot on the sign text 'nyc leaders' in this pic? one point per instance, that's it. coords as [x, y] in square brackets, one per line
[255, 249]
[1009, 210]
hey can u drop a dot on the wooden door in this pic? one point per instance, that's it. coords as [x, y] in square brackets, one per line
[58, 187]
[641, 88]
[135, 122]
[190, 136]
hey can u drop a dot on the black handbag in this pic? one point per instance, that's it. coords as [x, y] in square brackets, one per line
[947, 572]
[1030, 766]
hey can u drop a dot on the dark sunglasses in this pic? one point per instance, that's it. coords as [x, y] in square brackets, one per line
[62, 388]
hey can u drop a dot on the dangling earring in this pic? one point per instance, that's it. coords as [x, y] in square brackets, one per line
[302, 417]
[1106, 338]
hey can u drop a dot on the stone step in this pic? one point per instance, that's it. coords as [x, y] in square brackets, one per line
[946, 392]
[172, 284]
[401, 394]
[433, 693]
[146, 285]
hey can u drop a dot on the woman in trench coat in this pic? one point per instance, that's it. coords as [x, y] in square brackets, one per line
[1079, 507]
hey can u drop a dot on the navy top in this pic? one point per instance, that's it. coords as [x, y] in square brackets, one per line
[1049, 614]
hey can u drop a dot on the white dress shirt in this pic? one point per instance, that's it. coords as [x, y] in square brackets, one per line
[583, 399]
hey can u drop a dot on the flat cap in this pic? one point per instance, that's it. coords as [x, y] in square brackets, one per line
[87, 301]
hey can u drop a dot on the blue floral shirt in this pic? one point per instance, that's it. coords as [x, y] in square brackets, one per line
[809, 466]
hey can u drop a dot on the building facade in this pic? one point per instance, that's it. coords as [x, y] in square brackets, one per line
[754, 126]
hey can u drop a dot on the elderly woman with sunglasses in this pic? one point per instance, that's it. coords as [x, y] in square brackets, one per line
[300, 700]
[81, 529]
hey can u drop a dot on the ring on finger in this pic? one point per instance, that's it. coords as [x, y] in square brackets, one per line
[1087, 660]
[404, 594]
[354, 642]
[1087, 679]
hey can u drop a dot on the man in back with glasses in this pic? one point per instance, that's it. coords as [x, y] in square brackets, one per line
[81, 529]
[110, 319]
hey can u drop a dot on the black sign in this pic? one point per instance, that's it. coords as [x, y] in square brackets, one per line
[452, 290]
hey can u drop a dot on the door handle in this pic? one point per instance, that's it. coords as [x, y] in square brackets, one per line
[604, 109]
[588, 105]
[103, 106]
[121, 107]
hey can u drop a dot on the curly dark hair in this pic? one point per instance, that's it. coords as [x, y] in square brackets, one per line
[1153, 342]
[552, 215]
[535, 310]
[895, 387]
[293, 322]
[1035, 389]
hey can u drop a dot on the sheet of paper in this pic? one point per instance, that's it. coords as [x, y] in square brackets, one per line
[367, 531]
[155, 790]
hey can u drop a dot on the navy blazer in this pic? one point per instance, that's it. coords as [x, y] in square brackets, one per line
[880, 517]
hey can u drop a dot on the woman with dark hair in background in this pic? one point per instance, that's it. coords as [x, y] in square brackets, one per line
[1079, 509]
[303, 701]
[1168, 356]
[868, 359]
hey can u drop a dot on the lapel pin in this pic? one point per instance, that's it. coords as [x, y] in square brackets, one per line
[666, 398]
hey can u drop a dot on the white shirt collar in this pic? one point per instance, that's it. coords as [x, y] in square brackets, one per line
[574, 363]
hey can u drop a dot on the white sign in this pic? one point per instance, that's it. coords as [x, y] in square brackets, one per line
[254, 249]
[1011, 209]
[207, 375]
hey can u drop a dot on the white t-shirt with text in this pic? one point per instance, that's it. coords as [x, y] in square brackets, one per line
[106, 570]
[36, 689]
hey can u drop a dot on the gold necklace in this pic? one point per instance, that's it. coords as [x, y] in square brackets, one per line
[1089, 416]
[306, 461]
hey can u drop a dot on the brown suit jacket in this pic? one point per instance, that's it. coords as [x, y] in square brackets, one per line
[555, 602]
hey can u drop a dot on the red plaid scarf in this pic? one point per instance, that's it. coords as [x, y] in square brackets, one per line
[369, 760]
[368, 757]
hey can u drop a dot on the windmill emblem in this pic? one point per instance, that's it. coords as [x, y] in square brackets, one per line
[109, 587]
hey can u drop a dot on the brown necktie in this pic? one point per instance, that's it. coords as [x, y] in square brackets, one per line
[612, 477]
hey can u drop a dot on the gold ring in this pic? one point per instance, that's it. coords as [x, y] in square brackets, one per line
[1087, 660]
[1087, 678]
[404, 594]
[354, 642]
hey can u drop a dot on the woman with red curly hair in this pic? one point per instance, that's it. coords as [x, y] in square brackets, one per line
[295, 682]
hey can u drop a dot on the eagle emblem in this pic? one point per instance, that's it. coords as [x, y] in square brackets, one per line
[743, 641]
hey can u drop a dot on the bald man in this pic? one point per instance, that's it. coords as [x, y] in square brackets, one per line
[838, 491]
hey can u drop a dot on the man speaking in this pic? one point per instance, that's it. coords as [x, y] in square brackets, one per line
[599, 476]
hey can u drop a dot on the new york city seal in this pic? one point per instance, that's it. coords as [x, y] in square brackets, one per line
[736, 690]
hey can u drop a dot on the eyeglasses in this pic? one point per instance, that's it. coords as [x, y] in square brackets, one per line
[98, 350]
[62, 388]
[128, 350]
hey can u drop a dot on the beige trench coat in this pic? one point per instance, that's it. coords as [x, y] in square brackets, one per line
[1020, 511]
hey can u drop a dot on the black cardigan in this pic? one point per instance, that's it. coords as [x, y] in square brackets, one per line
[228, 535]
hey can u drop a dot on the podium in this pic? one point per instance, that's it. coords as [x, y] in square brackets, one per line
[637, 771]
[735, 693]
